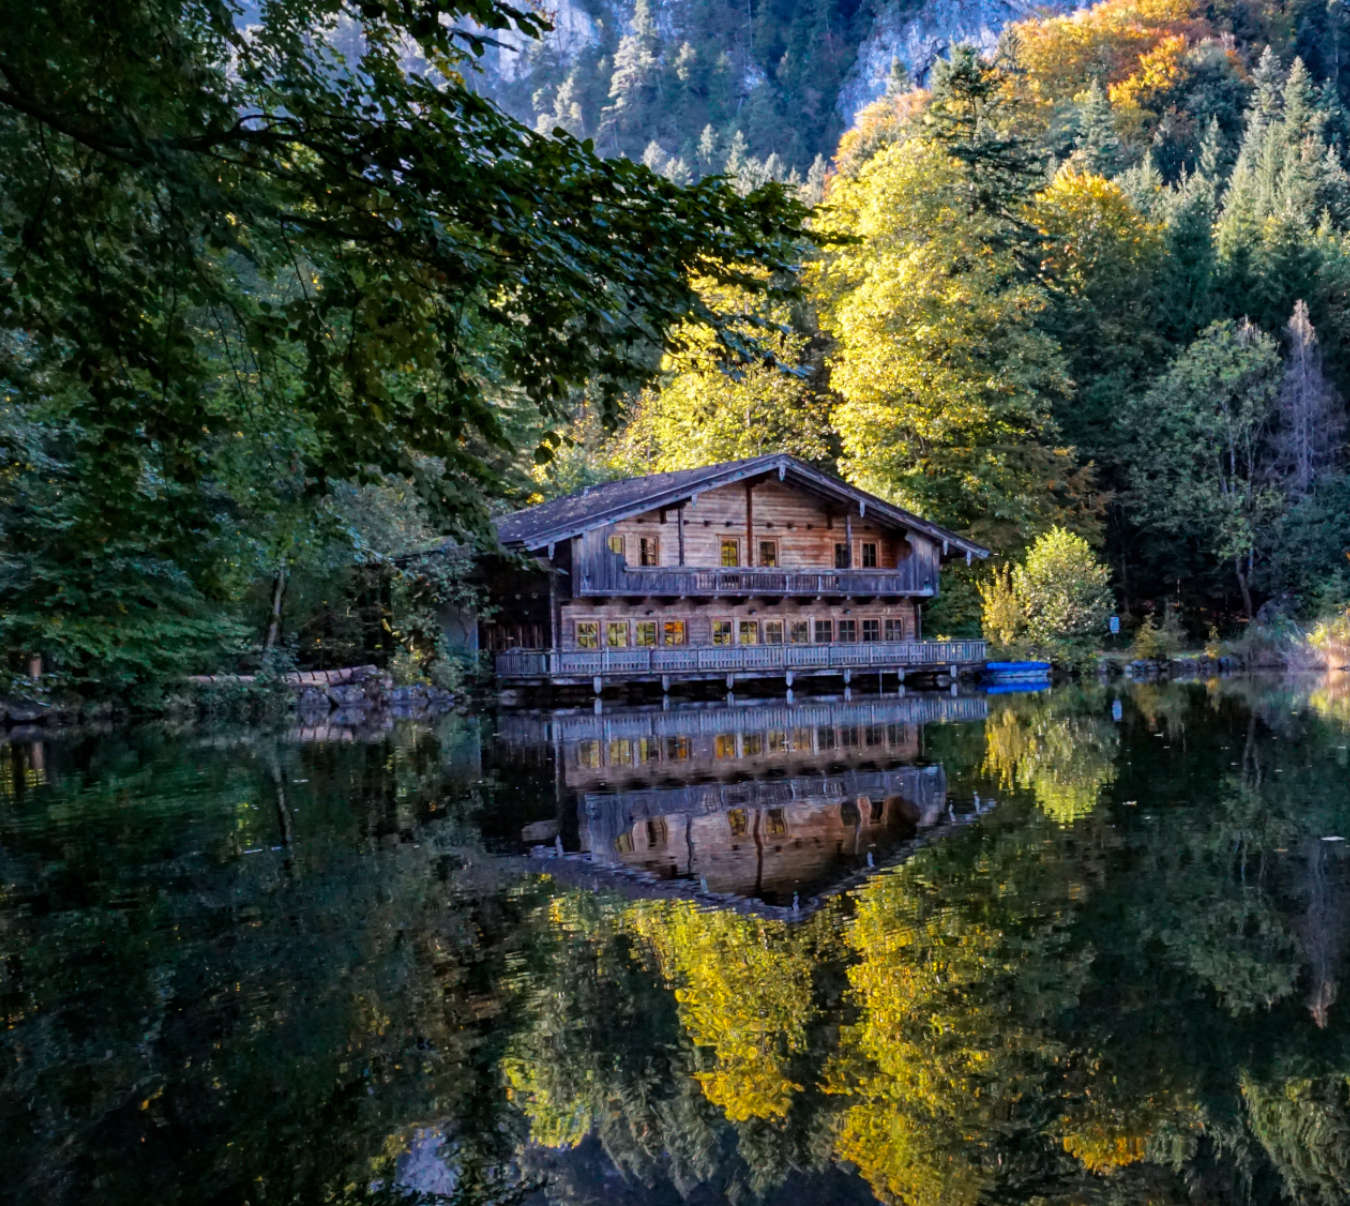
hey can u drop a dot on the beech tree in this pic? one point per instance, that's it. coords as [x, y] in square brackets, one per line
[214, 236]
[1199, 468]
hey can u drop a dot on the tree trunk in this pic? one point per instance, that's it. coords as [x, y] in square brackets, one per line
[274, 624]
[1244, 587]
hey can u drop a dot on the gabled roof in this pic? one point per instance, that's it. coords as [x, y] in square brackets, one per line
[599, 506]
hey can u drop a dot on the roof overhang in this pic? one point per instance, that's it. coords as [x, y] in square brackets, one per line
[785, 468]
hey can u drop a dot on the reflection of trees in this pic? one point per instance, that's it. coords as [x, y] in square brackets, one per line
[1304, 1125]
[958, 979]
[1056, 745]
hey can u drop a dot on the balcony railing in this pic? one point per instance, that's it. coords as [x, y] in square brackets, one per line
[733, 659]
[909, 579]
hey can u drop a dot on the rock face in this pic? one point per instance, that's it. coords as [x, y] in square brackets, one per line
[918, 36]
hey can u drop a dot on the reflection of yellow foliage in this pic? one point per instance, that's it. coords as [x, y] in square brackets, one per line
[744, 989]
[1330, 699]
[1064, 759]
[951, 1034]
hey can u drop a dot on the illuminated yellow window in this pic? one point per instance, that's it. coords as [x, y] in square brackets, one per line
[616, 544]
[588, 754]
[674, 633]
[724, 745]
[748, 632]
[731, 552]
[644, 632]
[616, 634]
[739, 822]
[752, 745]
[677, 749]
[721, 632]
[588, 634]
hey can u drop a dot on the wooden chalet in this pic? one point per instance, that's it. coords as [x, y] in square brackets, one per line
[757, 568]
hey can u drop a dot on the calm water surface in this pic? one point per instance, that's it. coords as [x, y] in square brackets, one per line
[1083, 946]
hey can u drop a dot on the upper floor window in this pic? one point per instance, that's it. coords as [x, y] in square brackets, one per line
[649, 550]
[588, 634]
[824, 632]
[731, 551]
[848, 630]
[644, 632]
[869, 554]
[773, 632]
[673, 633]
[721, 632]
[871, 630]
[841, 557]
[768, 553]
[895, 630]
[616, 634]
[799, 632]
[749, 632]
[616, 544]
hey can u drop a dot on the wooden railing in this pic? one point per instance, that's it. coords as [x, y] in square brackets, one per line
[916, 579]
[731, 659]
[524, 728]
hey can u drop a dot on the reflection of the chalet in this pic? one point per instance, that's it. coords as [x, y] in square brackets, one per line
[758, 800]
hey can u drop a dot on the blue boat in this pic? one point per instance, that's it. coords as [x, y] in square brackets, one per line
[1016, 672]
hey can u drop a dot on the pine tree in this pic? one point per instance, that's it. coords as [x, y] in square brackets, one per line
[1311, 421]
[1098, 144]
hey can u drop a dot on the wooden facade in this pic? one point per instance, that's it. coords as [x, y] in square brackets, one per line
[639, 578]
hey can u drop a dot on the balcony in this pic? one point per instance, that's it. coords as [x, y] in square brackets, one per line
[915, 577]
[769, 660]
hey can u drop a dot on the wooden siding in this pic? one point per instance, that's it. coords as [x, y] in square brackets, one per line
[804, 532]
[698, 620]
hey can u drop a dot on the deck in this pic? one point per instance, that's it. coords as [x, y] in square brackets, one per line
[917, 577]
[768, 661]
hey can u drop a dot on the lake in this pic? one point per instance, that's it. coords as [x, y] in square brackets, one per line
[1086, 945]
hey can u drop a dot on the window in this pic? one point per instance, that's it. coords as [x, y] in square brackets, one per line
[644, 632]
[739, 822]
[871, 630]
[588, 634]
[824, 632]
[799, 632]
[673, 632]
[895, 630]
[773, 632]
[648, 749]
[841, 556]
[616, 544]
[869, 554]
[677, 749]
[731, 552]
[649, 550]
[721, 632]
[588, 754]
[768, 553]
[776, 822]
[624, 843]
[848, 630]
[724, 745]
[778, 741]
[620, 751]
[752, 745]
[656, 833]
[748, 632]
[824, 739]
[616, 634]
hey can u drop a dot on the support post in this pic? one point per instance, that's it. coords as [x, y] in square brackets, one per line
[749, 524]
[680, 517]
[848, 539]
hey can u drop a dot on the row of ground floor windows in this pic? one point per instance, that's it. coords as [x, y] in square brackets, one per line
[619, 634]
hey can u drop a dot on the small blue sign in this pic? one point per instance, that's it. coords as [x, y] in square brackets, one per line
[1115, 625]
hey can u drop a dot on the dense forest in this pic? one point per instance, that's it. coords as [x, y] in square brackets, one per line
[276, 308]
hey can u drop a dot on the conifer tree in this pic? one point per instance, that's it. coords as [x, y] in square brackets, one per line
[1311, 423]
